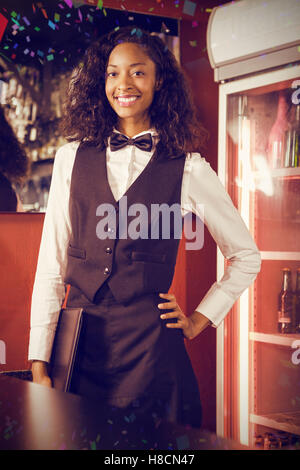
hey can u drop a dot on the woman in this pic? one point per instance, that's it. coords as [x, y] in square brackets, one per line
[133, 133]
[14, 166]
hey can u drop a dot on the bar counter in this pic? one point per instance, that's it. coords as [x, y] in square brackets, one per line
[34, 417]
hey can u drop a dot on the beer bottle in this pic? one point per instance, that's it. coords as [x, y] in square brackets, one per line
[285, 303]
[297, 303]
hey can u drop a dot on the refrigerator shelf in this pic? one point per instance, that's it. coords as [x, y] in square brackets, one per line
[288, 173]
[275, 338]
[289, 422]
[280, 255]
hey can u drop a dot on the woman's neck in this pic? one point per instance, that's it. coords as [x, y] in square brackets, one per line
[132, 129]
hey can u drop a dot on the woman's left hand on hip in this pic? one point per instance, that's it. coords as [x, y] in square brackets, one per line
[183, 322]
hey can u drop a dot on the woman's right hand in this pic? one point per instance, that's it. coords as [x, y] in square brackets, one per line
[40, 374]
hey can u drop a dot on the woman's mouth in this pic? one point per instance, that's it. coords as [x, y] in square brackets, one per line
[125, 102]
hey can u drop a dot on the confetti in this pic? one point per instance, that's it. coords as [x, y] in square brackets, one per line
[37, 28]
[69, 3]
[93, 445]
[78, 3]
[189, 8]
[50, 57]
[100, 4]
[51, 24]
[26, 21]
[80, 14]
[56, 17]
[44, 13]
[193, 43]
[3, 24]
[15, 21]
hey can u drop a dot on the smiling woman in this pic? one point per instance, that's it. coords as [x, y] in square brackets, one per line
[126, 64]
[130, 110]
[131, 85]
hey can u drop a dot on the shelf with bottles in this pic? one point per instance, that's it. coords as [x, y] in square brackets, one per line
[265, 437]
[274, 386]
[283, 149]
[287, 422]
[271, 307]
[276, 215]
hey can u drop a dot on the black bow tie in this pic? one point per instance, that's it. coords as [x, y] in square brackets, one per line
[143, 142]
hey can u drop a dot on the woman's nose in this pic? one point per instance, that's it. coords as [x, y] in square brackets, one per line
[124, 81]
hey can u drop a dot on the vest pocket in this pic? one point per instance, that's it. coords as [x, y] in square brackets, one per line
[148, 257]
[76, 252]
[157, 277]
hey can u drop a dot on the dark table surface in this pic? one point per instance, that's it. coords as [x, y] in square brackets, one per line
[34, 417]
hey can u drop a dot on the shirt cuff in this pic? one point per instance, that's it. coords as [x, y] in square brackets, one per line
[40, 344]
[215, 305]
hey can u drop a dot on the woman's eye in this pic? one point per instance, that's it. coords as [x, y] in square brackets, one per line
[108, 74]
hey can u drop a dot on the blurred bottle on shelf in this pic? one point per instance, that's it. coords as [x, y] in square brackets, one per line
[275, 440]
[285, 303]
[258, 440]
[296, 322]
[291, 151]
[276, 142]
[271, 441]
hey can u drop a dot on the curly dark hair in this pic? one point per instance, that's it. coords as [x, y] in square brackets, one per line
[14, 163]
[89, 117]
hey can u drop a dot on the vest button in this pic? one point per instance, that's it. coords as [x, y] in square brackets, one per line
[106, 271]
[108, 250]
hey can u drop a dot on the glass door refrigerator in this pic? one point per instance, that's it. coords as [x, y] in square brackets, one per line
[254, 48]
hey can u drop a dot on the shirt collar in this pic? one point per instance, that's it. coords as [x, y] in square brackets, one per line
[152, 131]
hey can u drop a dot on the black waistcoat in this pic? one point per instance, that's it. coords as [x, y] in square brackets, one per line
[96, 254]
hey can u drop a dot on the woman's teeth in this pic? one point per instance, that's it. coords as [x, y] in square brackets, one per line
[127, 100]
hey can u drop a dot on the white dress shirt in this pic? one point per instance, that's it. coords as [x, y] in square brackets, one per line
[200, 185]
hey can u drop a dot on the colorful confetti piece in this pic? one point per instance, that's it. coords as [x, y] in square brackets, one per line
[3, 24]
[189, 8]
[93, 445]
[26, 21]
[51, 25]
[69, 3]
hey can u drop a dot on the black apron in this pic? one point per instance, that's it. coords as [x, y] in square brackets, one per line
[129, 359]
